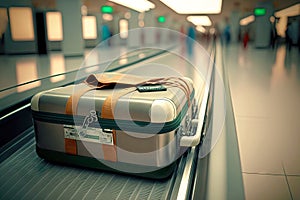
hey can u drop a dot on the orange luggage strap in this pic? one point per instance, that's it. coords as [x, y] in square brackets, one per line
[130, 83]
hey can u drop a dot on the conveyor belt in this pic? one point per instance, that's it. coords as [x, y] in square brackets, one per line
[24, 175]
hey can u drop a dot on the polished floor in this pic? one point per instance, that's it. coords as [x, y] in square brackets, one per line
[265, 92]
[22, 76]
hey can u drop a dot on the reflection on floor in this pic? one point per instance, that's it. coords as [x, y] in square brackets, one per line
[265, 90]
[22, 76]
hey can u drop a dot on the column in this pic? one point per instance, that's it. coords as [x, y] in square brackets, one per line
[150, 33]
[263, 26]
[165, 33]
[134, 36]
[234, 25]
[73, 44]
[116, 40]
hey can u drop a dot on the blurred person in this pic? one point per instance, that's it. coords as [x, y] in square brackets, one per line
[227, 35]
[274, 35]
[288, 36]
[191, 39]
[3, 26]
[182, 39]
[246, 39]
[106, 34]
[224, 29]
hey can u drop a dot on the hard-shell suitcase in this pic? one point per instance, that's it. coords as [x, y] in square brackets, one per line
[116, 122]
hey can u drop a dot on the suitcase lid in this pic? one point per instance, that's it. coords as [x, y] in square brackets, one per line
[146, 109]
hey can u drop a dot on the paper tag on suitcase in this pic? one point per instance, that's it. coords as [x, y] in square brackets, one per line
[89, 134]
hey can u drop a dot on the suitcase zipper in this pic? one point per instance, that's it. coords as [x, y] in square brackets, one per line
[134, 126]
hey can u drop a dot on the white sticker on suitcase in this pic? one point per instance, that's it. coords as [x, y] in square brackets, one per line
[89, 134]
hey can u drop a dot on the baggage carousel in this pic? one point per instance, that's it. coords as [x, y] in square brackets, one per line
[26, 176]
[23, 175]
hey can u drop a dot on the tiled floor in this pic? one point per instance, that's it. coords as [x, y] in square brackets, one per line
[265, 90]
[265, 187]
[294, 184]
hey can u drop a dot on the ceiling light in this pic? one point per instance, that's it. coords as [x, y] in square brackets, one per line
[247, 20]
[127, 15]
[289, 12]
[194, 6]
[141, 24]
[199, 20]
[212, 31]
[84, 10]
[138, 5]
[201, 29]
[107, 17]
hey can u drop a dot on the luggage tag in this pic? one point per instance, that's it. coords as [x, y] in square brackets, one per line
[151, 88]
[87, 133]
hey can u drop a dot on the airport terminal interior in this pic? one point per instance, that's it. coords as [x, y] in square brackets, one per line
[150, 99]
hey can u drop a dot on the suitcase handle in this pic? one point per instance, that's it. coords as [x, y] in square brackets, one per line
[193, 140]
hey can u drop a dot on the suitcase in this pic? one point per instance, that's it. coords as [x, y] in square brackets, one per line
[116, 122]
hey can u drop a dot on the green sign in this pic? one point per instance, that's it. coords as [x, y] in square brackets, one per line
[259, 11]
[161, 19]
[107, 9]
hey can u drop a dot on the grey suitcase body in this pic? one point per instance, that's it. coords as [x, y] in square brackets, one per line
[143, 138]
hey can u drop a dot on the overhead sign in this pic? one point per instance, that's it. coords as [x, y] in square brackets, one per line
[107, 9]
[259, 11]
[161, 19]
